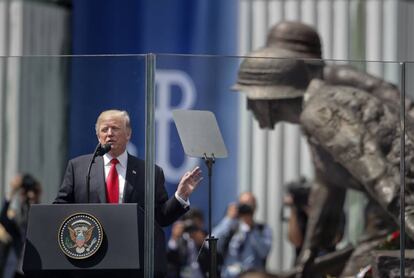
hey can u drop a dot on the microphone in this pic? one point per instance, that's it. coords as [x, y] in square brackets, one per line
[100, 150]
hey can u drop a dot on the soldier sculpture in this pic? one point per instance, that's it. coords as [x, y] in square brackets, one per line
[352, 123]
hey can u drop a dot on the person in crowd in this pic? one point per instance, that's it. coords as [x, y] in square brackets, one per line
[195, 217]
[187, 253]
[243, 243]
[297, 199]
[24, 191]
[118, 177]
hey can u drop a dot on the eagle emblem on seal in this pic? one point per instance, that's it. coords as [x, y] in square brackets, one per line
[80, 236]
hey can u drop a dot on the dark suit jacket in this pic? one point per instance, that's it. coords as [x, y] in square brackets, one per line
[73, 190]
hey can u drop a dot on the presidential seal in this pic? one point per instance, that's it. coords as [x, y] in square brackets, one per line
[80, 236]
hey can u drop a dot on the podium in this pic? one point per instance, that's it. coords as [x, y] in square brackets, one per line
[61, 242]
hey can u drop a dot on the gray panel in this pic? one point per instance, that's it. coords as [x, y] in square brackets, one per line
[199, 133]
[119, 249]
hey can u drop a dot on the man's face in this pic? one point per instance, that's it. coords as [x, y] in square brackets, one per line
[112, 130]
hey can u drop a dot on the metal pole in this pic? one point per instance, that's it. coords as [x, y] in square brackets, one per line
[402, 172]
[3, 95]
[149, 166]
[212, 241]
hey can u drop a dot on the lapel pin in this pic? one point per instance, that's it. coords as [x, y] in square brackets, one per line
[134, 172]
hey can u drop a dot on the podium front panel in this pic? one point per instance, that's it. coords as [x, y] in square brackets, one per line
[119, 248]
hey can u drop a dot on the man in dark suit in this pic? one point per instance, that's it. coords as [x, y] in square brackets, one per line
[118, 177]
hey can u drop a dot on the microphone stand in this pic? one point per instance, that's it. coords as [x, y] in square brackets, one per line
[88, 176]
[100, 150]
[212, 241]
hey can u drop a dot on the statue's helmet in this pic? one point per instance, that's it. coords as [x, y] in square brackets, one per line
[269, 73]
[298, 47]
[297, 37]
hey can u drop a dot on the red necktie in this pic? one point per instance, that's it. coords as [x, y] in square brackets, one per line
[112, 183]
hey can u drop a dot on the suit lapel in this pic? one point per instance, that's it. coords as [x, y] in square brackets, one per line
[131, 175]
[98, 185]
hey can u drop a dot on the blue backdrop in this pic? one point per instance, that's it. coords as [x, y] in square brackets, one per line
[103, 82]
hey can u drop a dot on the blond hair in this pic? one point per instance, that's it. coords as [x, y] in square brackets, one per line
[113, 114]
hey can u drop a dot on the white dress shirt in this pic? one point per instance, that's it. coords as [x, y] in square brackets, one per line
[121, 168]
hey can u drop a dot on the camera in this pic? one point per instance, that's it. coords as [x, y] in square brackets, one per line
[29, 183]
[244, 209]
[300, 192]
[190, 226]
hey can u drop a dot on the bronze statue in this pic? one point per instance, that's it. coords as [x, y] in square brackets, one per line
[351, 120]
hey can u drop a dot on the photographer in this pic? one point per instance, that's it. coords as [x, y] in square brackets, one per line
[187, 255]
[296, 198]
[24, 190]
[243, 243]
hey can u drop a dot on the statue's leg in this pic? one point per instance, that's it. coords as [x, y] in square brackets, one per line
[326, 209]
[361, 257]
[377, 227]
